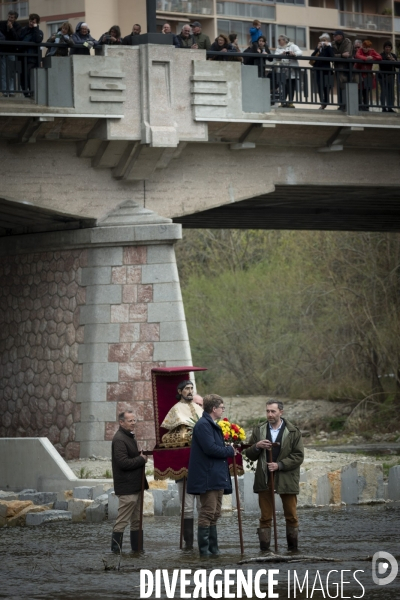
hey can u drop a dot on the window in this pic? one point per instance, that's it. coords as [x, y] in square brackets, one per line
[54, 27]
[242, 30]
[242, 9]
[297, 35]
[298, 2]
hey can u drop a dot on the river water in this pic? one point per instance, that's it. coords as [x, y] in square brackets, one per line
[66, 561]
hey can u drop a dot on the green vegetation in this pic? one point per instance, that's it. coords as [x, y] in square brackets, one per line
[107, 474]
[84, 473]
[296, 314]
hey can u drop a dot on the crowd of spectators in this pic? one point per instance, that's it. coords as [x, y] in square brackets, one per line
[281, 65]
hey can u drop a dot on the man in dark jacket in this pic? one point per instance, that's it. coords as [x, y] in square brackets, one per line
[127, 465]
[342, 48]
[32, 34]
[286, 460]
[201, 41]
[184, 39]
[9, 31]
[129, 39]
[209, 472]
[82, 38]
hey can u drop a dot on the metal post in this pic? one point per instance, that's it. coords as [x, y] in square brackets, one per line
[182, 512]
[151, 10]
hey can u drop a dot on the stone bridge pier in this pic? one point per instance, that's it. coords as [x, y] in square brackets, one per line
[85, 316]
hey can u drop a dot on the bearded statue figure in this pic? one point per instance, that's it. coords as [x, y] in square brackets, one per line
[181, 417]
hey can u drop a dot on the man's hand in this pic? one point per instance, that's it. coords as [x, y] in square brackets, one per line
[264, 445]
[195, 47]
[273, 466]
[9, 25]
[369, 58]
[346, 54]
[144, 456]
[224, 50]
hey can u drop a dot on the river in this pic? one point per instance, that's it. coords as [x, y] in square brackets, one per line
[65, 561]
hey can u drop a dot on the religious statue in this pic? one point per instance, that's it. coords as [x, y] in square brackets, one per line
[181, 418]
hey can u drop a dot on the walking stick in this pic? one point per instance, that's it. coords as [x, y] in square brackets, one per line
[238, 505]
[140, 540]
[182, 512]
[271, 473]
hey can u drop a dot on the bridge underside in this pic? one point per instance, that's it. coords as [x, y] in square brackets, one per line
[307, 207]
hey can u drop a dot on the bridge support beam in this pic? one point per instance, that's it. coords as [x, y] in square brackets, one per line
[86, 314]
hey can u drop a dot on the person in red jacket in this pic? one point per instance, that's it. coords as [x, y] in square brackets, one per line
[367, 80]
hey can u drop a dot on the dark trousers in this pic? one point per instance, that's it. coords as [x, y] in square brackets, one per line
[387, 89]
[26, 76]
[324, 84]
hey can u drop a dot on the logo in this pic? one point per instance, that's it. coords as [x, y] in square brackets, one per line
[381, 561]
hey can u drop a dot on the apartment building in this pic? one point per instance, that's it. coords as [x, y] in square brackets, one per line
[302, 20]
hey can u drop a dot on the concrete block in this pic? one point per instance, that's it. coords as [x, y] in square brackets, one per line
[171, 504]
[107, 372]
[95, 313]
[102, 499]
[172, 350]
[96, 513]
[91, 392]
[90, 431]
[107, 256]
[164, 311]
[170, 232]
[77, 508]
[8, 496]
[241, 491]
[93, 353]
[157, 502]
[226, 503]
[361, 481]
[164, 253]
[96, 447]
[255, 91]
[167, 292]
[39, 498]
[173, 331]
[96, 276]
[113, 504]
[48, 516]
[386, 491]
[394, 483]
[148, 504]
[98, 411]
[250, 499]
[324, 491]
[104, 294]
[97, 333]
[28, 491]
[83, 492]
[61, 505]
[160, 273]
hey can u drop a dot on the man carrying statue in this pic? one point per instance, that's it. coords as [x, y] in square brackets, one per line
[180, 421]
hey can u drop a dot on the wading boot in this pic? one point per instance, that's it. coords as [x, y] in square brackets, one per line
[213, 541]
[116, 541]
[188, 534]
[135, 540]
[292, 536]
[203, 535]
[264, 535]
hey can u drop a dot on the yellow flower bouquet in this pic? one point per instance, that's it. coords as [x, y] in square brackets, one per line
[233, 433]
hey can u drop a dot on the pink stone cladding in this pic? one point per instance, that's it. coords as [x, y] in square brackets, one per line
[39, 336]
[134, 352]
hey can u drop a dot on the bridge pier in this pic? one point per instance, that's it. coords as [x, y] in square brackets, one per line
[85, 316]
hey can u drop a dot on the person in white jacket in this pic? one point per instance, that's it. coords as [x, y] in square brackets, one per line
[288, 72]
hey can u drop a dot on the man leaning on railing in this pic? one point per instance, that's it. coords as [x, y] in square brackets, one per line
[9, 31]
[30, 60]
[342, 48]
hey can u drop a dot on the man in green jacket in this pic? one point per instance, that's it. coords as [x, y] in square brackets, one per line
[285, 464]
[201, 41]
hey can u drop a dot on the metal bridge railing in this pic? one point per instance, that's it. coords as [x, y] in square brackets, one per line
[324, 83]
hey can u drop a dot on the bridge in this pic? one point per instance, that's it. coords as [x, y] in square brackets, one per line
[100, 171]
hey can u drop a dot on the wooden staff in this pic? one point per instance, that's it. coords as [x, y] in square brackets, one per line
[238, 504]
[182, 512]
[271, 474]
[140, 540]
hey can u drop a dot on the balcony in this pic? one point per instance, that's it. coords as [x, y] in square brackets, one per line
[352, 20]
[397, 24]
[246, 10]
[22, 9]
[193, 7]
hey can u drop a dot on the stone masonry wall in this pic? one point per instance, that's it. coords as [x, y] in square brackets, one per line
[134, 320]
[40, 299]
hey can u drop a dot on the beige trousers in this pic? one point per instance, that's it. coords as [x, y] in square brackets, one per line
[190, 500]
[210, 507]
[128, 512]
